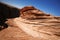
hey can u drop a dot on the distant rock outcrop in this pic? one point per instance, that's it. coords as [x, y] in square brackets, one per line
[30, 12]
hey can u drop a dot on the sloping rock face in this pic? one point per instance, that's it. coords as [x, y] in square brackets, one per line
[33, 24]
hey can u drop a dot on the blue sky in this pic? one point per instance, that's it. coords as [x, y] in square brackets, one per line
[47, 6]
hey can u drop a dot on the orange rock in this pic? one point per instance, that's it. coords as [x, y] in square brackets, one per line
[30, 12]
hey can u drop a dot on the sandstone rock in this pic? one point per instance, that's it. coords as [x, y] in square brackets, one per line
[33, 24]
[31, 12]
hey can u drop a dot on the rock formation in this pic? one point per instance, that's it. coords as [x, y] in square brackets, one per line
[33, 24]
[7, 12]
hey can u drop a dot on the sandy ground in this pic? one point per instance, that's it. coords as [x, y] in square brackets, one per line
[12, 33]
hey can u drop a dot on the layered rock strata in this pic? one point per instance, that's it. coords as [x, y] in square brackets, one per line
[33, 24]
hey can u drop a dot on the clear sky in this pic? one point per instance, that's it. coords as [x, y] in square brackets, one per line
[48, 6]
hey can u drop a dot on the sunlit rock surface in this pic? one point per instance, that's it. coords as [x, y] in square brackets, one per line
[33, 24]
